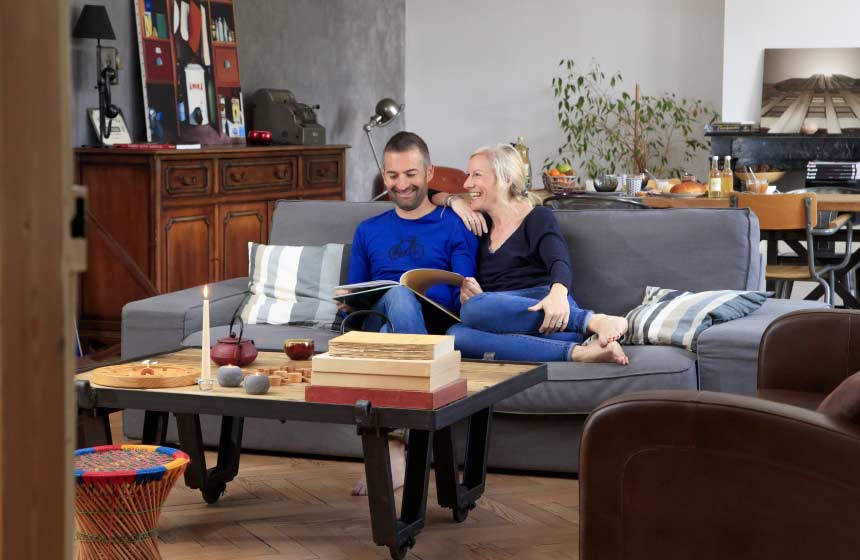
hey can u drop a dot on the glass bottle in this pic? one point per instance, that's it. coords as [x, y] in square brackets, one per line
[715, 180]
[727, 177]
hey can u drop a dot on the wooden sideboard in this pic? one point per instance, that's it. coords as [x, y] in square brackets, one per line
[164, 220]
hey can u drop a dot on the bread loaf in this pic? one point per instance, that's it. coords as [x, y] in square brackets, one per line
[689, 187]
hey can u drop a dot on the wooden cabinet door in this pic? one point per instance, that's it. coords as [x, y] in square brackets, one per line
[188, 247]
[240, 223]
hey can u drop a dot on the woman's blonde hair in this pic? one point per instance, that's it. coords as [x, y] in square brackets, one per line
[508, 168]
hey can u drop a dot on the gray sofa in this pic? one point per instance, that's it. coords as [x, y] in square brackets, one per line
[615, 255]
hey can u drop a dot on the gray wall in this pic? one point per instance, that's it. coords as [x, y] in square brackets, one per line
[344, 55]
[127, 94]
[488, 79]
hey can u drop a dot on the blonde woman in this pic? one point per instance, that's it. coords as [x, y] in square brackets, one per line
[519, 306]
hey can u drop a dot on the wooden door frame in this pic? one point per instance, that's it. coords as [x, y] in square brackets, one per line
[36, 359]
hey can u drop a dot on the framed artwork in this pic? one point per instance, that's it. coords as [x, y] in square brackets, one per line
[118, 130]
[811, 89]
[190, 71]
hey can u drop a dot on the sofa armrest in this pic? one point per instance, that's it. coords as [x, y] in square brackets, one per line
[160, 323]
[810, 351]
[670, 474]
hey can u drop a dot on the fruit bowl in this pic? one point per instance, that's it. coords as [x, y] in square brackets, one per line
[770, 176]
[562, 184]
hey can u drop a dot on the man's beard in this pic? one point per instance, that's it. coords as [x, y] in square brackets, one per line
[411, 203]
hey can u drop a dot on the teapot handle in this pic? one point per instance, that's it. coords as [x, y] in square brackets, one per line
[241, 326]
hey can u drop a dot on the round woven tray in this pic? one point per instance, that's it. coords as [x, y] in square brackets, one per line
[142, 376]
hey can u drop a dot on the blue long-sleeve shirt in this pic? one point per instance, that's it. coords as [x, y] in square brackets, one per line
[536, 254]
[386, 246]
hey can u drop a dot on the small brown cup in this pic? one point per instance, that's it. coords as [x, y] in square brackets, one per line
[299, 348]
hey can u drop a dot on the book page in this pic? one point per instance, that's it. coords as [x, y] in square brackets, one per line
[422, 279]
[366, 285]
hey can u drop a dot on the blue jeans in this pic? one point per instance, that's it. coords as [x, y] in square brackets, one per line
[402, 308]
[500, 322]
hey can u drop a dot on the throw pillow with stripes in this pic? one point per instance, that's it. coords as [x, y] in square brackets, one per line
[678, 318]
[294, 285]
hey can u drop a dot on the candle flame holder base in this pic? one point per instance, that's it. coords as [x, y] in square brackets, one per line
[205, 384]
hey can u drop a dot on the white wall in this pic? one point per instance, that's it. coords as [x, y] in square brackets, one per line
[479, 71]
[754, 25]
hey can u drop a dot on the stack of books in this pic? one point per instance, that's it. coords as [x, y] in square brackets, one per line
[389, 370]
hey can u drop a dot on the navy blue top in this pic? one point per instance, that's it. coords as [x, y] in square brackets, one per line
[386, 246]
[536, 254]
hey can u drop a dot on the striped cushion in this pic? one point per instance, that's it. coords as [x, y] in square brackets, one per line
[678, 318]
[294, 285]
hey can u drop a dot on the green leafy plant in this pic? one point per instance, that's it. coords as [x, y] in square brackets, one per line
[607, 130]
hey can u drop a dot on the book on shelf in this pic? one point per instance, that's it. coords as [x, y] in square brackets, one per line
[389, 398]
[390, 346]
[364, 295]
[153, 146]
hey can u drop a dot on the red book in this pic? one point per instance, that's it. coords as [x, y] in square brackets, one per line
[388, 398]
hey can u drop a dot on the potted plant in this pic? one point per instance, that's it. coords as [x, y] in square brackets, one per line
[608, 130]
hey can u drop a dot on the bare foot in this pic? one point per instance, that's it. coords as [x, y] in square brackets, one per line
[397, 455]
[593, 353]
[607, 327]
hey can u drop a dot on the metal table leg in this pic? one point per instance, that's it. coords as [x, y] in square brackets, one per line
[398, 534]
[154, 427]
[211, 482]
[450, 491]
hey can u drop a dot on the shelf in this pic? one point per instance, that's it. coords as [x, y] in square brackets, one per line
[221, 2]
[157, 40]
[223, 44]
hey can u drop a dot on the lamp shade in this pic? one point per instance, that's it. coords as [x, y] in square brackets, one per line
[93, 23]
[387, 109]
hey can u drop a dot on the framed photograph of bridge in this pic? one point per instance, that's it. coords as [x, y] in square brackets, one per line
[816, 87]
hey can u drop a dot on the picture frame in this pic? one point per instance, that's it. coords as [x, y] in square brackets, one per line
[190, 71]
[119, 133]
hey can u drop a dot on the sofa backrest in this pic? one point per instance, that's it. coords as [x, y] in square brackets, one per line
[615, 254]
[316, 222]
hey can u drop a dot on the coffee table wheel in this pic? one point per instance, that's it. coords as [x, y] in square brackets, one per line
[400, 552]
[461, 513]
[212, 494]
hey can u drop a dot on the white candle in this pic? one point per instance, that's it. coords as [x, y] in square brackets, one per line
[205, 368]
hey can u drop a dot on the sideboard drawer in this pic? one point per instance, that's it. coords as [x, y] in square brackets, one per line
[322, 171]
[187, 178]
[250, 174]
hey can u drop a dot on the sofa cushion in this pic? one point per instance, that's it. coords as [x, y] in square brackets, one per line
[269, 337]
[728, 353]
[577, 388]
[678, 318]
[293, 285]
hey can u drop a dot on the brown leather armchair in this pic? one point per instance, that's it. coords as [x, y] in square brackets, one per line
[682, 474]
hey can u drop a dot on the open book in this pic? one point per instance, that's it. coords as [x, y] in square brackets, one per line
[363, 295]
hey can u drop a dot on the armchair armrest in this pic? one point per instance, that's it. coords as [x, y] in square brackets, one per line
[834, 225]
[160, 323]
[810, 351]
[681, 474]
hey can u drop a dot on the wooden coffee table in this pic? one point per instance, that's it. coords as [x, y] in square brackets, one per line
[429, 430]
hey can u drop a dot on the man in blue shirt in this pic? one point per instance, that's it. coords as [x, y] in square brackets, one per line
[414, 234]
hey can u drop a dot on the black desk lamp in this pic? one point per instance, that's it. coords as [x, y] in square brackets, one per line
[94, 23]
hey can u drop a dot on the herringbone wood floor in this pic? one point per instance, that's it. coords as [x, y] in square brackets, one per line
[300, 509]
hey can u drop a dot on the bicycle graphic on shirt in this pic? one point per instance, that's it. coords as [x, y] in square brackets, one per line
[408, 246]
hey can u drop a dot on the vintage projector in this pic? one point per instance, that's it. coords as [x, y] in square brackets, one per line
[290, 122]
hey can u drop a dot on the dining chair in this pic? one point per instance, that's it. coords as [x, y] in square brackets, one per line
[592, 202]
[797, 212]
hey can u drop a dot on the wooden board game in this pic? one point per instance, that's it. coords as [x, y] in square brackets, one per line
[143, 376]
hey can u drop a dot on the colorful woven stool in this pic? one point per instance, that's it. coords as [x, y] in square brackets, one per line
[119, 491]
